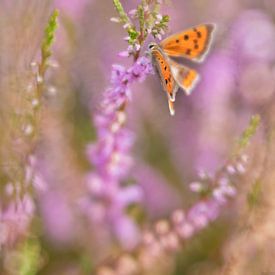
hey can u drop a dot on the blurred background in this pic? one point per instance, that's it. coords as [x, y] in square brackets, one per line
[237, 81]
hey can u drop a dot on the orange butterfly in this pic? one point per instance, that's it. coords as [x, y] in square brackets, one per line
[192, 44]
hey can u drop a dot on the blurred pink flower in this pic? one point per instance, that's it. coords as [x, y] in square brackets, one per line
[257, 83]
[159, 197]
[202, 213]
[15, 219]
[253, 37]
[213, 100]
[73, 8]
[110, 156]
[57, 217]
[126, 231]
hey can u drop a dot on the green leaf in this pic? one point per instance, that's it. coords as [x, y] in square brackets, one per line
[133, 34]
[156, 8]
[30, 257]
[249, 131]
[141, 18]
[49, 35]
[254, 196]
[247, 134]
[165, 19]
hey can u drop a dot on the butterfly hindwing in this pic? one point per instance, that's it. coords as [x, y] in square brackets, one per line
[185, 77]
[192, 43]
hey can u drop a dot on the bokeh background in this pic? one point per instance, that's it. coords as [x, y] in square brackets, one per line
[237, 81]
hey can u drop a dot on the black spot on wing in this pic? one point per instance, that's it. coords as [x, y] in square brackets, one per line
[188, 51]
[196, 45]
[197, 32]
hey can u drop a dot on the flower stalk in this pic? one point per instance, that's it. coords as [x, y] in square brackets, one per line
[17, 204]
[110, 154]
[166, 237]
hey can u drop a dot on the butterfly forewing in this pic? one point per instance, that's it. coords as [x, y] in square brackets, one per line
[192, 43]
[164, 70]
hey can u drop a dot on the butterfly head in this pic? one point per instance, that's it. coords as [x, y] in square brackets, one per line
[152, 46]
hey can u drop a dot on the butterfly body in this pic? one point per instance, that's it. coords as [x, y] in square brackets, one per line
[192, 44]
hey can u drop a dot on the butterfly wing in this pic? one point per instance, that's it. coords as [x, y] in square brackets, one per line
[171, 107]
[193, 43]
[163, 68]
[168, 82]
[185, 77]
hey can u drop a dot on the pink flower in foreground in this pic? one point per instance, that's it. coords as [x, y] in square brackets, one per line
[73, 8]
[110, 156]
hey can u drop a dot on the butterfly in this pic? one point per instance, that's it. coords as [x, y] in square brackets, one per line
[192, 44]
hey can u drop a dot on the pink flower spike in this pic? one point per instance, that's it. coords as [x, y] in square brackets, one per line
[132, 12]
[137, 47]
[178, 217]
[126, 26]
[244, 158]
[115, 19]
[158, 36]
[219, 196]
[224, 181]
[240, 168]
[159, 17]
[111, 159]
[229, 190]
[124, 54]
[195, 187]
[185, 231]
[231, 169]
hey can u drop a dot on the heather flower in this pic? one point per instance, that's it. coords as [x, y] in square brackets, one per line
[125, 230]
[150, 22]
[74, 9]
[213, 96]
[122, 211]
[196, 186]
[15, 219]
[57, 216]
[220, 188]
[110, 154]
[167, 236]
[164, 197]
[202, 213]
